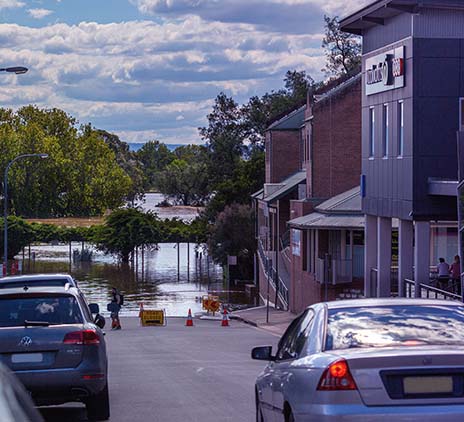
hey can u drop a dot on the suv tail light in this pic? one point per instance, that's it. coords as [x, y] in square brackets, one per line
[337, 377]
[82, 337]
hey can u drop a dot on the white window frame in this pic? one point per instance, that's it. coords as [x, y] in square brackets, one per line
[371, 132]
[385, 130]
[400, 143]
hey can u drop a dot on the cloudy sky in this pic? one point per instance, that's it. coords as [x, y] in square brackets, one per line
[150, 69]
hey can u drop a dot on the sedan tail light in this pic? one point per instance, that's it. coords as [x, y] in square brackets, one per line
[82, 337]
[337, 377]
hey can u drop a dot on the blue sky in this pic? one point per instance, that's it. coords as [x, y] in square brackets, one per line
[150, 69]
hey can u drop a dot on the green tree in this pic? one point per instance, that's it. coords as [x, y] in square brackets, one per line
[224, 138]
[81, 176]
[126, 229]
[343, 50]
[233, 234]
[20, 234]
[185, 182]
[154, 157]
[129, 162]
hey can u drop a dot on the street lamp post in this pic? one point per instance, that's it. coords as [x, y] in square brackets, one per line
[5, 205]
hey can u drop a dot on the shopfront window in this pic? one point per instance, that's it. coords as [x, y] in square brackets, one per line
[461, 114]
[444, 243]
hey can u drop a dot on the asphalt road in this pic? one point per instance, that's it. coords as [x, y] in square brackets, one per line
[176, 373]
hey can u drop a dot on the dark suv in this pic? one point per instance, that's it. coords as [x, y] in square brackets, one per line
[50, 340]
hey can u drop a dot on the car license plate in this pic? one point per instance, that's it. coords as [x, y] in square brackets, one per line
[27, 358]
[428, 385]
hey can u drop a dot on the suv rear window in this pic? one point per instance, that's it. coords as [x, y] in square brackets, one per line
[14, 311]
[58, 282]
[393, 326]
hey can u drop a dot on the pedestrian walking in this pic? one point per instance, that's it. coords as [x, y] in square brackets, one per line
[455, 272]
[114, 307]
[443, 270]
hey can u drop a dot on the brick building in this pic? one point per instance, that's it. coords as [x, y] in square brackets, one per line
[312, 154]
[332, 159]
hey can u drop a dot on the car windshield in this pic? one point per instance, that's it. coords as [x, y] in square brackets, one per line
[392, 326]
[16, 311]
[36, 283]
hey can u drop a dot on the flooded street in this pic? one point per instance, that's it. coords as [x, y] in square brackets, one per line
[167, 278]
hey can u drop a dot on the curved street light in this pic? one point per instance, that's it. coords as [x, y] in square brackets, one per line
[5, 205]
[18, 70]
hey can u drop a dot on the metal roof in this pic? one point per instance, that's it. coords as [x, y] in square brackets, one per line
[291, 121]
[287, 186]
[326, 221]
[259, 194]
[347, 202]
[378, 11]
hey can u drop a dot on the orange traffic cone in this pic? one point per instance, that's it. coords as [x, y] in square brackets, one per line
[225, 319]
[189, 322]
[141, 310]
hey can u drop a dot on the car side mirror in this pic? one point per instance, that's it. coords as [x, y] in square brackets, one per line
[94, 308]
[99, 321]
[262, 353]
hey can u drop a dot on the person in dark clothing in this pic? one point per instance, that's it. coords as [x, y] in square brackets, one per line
[115, 308]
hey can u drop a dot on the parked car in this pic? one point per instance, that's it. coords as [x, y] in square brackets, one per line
[49, 338]
[37, 280]
[366, 360]
[15, 403]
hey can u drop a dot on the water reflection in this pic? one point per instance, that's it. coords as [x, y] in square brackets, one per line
[160, 280]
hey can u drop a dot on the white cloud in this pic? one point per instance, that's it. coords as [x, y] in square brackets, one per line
[39, 13]
[10, 4]
[140, 78]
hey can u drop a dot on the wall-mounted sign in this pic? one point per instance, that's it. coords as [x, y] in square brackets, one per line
[385, 71]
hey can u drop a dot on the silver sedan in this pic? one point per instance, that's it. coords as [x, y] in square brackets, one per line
[366, 360]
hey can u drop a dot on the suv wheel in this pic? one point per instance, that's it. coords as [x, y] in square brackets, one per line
[98, 406]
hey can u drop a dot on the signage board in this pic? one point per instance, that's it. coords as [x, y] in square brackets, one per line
[153, 318]
[385, 71]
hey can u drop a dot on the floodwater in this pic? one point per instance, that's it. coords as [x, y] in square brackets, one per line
[172, 277]
[151, 200]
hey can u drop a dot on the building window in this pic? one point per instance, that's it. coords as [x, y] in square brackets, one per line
[385, 133]
[461, 114]
[371, 131]
[400, 128]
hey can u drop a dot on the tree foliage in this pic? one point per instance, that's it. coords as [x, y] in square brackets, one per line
[233, 234]
[154, 156]
[81, 177]
[343, 50]
[126, 229]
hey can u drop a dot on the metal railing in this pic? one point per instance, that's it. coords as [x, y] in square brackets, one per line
[427, 291]
[271, 273]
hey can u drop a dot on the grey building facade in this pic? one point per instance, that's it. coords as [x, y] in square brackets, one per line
[412, 108]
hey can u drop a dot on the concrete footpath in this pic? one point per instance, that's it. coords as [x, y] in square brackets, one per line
[277, 322]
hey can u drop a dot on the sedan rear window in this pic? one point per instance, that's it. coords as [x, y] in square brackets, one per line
[395, 326]
[18, 311]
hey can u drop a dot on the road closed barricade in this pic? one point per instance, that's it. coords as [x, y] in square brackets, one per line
[153, 318]
[211, 303]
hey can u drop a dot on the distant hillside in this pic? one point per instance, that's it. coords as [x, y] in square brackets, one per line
[135, 146]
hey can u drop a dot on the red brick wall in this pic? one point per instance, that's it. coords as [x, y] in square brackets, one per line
[337, 143]
[282, 154]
